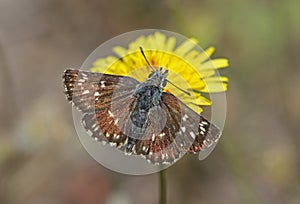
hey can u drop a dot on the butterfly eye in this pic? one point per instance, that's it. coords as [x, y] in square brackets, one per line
[164, 83]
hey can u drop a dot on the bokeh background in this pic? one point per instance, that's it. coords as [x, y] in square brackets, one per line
[257, 159]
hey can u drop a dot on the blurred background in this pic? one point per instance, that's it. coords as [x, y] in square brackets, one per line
[257, 159]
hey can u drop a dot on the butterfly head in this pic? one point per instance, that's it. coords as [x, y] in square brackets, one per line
[158, 78]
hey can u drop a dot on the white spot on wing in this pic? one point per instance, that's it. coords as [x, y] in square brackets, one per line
[184, 117]
[89, 132]
[133, 149]
[216, 140]
[112, 144]
[153, 137]
[204, 122]
[183, 129]
[145, 149]
[86, 92]
[116, 136]
[125, 143]
[161, 135]
[193, 135]
[202, 128]
[102, 84]
[110, 113]
[207, 143]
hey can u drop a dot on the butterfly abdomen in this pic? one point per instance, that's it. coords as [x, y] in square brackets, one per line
[147, 97]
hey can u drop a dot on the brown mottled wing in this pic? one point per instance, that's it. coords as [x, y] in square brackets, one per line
[181, 130]
[107, 103]
[104, 100]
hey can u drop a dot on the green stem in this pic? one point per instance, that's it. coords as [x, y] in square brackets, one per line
[163, 187]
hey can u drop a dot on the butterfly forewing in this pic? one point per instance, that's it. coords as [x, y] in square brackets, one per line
[93, 94]
[87, 89]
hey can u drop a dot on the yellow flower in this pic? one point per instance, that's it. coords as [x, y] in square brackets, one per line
[189, 67]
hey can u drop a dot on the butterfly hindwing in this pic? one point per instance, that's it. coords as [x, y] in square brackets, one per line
[195, 126]
[179, 135]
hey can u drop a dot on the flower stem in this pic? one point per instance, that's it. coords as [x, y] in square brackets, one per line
[163, 187]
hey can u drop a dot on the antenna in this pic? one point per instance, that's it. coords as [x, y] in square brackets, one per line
[146, 59]
[184, 91]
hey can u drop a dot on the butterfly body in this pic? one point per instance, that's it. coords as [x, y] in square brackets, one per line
[147, 95]
[138, 118]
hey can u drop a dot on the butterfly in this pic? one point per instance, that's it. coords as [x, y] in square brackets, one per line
[138, 118]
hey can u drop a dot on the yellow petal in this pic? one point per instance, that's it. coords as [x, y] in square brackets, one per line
[216, 79]
[207, 73]
[201, 100]
[160, 40]
[209, 51]
[204, 55]
[171, 42]
[214, 87]
[215, 63]
[120, 51]
[100, 63]
[185, 47]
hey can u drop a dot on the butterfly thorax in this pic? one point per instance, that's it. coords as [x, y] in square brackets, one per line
[148, 95]
[146, 98]
[157, 78]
